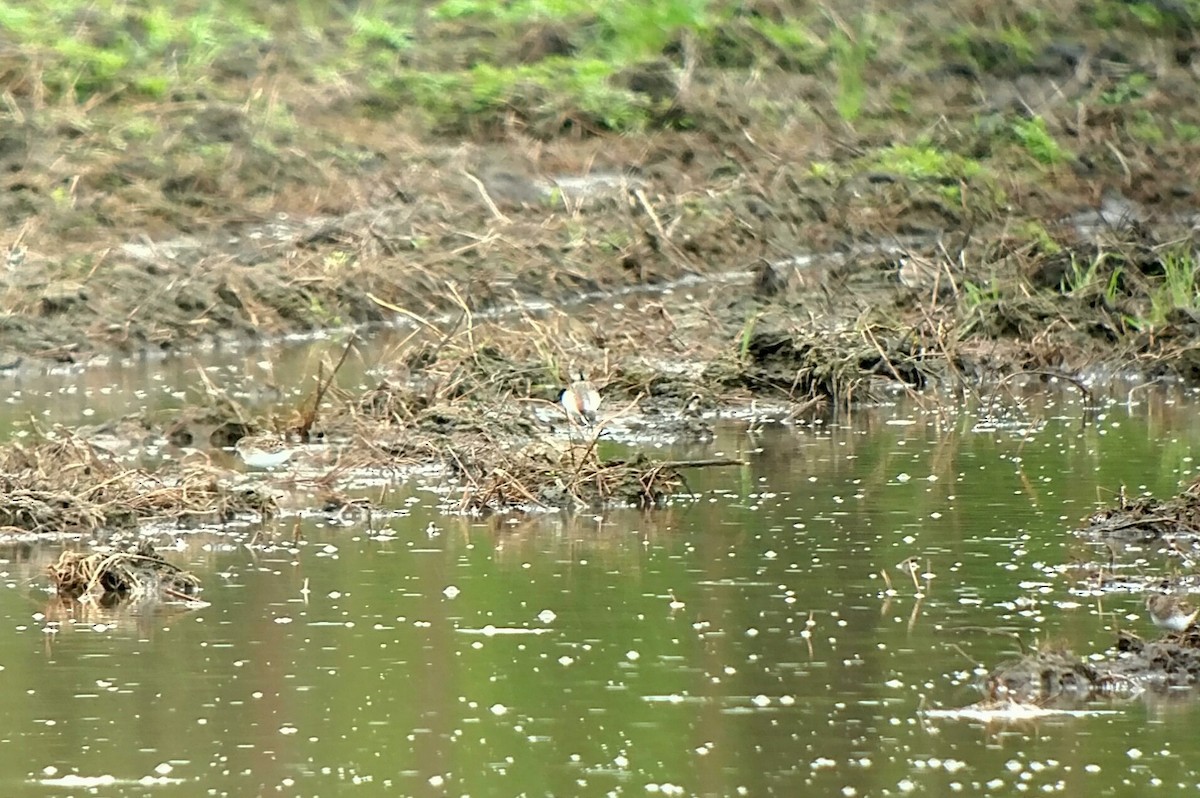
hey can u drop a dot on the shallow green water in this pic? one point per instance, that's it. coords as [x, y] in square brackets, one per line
[736, 644]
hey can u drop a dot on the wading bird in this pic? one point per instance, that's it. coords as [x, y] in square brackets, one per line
[263, 451]
[1171, 613]
[581, 400]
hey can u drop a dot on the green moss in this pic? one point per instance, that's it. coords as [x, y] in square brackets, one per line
[1032, 230]
[1036, 140]
[553, 88]
[1131, 87]
[1143, 127]
[924, 162]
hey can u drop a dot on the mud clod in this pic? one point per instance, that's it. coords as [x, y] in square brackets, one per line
[574, 478]
[835, 368]
[1171, 660]
[1145, 519]
[1043, 677]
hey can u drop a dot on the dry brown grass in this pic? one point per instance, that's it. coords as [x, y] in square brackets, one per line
[66, 485]
[137, 574]
[479, 399]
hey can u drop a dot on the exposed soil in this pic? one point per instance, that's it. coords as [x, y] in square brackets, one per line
[1053, 677]
[955, 200]
[930, 197]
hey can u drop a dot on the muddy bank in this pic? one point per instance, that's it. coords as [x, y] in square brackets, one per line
[285, 183]
[483, 424]
[1147, 520]
[1054, 677]
[301, 177]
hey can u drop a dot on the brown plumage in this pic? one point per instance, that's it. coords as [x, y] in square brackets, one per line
[1171, 613]
[581, 400]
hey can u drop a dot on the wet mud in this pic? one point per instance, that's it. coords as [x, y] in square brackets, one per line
[1052, 676]
[781, 210]
[1062, 678]
[1145, 519]
[1032, 228]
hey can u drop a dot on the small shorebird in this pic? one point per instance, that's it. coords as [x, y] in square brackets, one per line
[263, 451]
[1171, 613]
[581, 400]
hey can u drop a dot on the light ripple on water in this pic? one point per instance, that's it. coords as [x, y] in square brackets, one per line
[1014, 712]
[489, 631]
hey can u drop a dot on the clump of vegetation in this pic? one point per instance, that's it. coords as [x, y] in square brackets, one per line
[498, 452]
[1177, 289]
[580, 83]
[109, 48]
[550, 94]
[1097, 275]
[1179, 18]
[821, 369]
[1005, 50]
[64, 485]
[1151, 292]
[1036, 233]
[136, 574]
[572, 477]
[1036, 140]
[925, 161]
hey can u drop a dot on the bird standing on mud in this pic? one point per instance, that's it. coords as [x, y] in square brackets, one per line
[581, 400]
[1171, 613]
[263, 451]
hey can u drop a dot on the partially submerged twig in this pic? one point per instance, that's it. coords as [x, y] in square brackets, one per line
[310, 415]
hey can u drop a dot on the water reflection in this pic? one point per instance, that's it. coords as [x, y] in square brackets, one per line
[742, 641]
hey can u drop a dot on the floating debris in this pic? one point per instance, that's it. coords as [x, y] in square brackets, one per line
[1145, 519]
